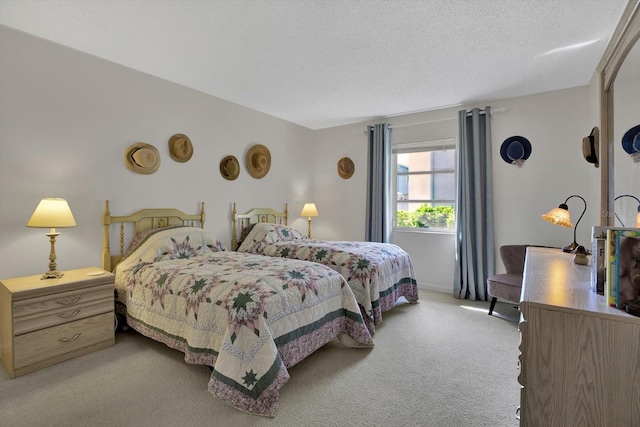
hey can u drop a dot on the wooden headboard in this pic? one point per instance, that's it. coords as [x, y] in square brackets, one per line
[254, 216]
[142, 220]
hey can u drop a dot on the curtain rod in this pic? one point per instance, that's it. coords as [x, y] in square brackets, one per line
[497, 110]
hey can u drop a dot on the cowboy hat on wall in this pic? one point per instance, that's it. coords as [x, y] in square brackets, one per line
[229, 168]
[142, 158]
[180, 148]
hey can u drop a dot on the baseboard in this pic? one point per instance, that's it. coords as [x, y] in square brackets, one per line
[435, 288]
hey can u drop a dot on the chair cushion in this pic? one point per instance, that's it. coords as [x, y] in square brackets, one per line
[505, 286]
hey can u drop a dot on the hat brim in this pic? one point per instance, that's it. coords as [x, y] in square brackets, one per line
[224, 170]
[175, 150]
[150, 150]
[515, 149]
[631, 140]
[258, 171]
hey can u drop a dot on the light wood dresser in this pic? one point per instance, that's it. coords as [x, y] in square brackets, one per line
[43, 322]
[579, 358]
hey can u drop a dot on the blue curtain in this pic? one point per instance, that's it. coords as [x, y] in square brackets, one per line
[475, 245]
[378, 222]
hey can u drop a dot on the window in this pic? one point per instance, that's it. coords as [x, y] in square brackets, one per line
[425, 185]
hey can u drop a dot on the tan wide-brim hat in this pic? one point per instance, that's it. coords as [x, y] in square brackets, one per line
[180, 148]
[142, 158]
[346, 167]
[591, 146]
[258, 161]
[229, 168]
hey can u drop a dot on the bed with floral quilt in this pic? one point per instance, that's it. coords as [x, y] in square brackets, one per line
[247, 316]
[377, 273]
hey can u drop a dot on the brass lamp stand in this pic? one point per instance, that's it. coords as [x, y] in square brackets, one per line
[52, 213]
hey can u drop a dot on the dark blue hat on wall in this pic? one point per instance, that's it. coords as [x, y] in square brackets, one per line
[515, 150]
[631, 142]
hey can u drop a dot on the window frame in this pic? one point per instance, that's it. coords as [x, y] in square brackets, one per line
[418, 147]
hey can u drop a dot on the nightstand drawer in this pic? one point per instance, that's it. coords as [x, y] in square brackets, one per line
[43, 322]
[58, 340]
[51, 310]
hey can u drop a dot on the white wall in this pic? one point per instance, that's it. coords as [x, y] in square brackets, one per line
[66, 119]
[554, 123]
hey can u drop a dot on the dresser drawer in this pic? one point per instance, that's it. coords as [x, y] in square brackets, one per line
[51, 310]
[55, 341]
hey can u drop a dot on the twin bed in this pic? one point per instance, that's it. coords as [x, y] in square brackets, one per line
[378, 273]
[247, 316]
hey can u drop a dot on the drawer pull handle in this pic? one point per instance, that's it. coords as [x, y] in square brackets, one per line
[69, 315]
[69, 301]
[73, 338]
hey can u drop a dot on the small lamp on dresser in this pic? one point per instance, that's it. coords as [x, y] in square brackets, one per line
[52, 213]
[560, 216]
[309, 210]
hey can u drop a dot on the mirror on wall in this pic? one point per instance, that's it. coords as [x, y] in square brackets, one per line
[619, 111]
[626, 114]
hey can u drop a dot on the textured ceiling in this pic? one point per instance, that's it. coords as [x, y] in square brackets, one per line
[326, 63]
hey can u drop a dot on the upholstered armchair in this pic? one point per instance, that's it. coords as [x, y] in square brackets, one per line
[509, 285]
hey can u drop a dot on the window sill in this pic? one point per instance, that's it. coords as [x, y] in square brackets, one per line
[422, 231]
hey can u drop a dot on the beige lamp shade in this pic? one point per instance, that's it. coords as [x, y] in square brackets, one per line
[309, 210]
[52, 213]
[558, 216]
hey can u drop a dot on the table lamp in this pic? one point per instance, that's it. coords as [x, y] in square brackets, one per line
[560, 216]
[309, 210]
[638, 210]
[52, 213]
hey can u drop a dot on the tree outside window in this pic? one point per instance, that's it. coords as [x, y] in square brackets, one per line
[425, 186]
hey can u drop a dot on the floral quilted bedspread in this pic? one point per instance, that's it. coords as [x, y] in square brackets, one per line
[378, 273]
[249, 317]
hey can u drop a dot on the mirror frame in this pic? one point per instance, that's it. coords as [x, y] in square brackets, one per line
[623, 39]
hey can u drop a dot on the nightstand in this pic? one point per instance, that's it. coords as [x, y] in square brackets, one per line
[46, 321]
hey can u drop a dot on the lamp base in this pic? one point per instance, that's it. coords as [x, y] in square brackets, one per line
[52, 274]
[572, 247]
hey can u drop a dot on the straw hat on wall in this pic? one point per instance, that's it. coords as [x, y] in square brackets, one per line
[229, 168]
[258, 161]
[142, 158]
[180, 148]
[345, 168]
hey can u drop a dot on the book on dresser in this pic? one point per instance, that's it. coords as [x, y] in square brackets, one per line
[598, 258]
[611, 263]
[623, 252]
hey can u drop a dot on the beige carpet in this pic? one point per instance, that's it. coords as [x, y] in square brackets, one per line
[443, 362]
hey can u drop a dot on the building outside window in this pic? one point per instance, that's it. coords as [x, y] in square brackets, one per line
[425, 185]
